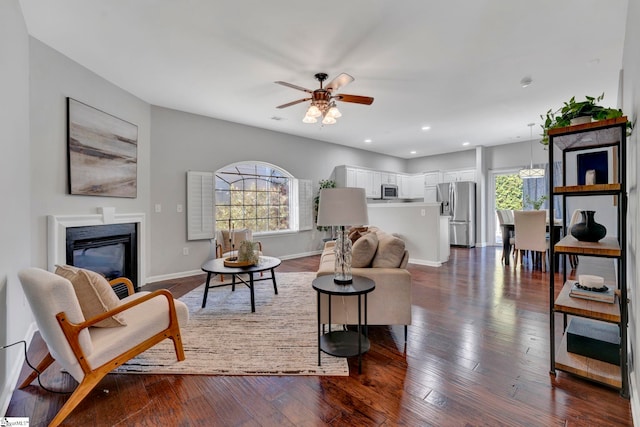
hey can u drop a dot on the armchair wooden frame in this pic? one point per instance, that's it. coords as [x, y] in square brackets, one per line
[92, 376]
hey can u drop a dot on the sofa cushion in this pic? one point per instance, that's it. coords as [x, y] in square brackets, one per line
[364, 249]
[390, 251]
[94, 293]
[357, 232]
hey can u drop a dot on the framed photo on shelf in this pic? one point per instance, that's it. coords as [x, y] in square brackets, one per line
[593, 168]
[102, 152]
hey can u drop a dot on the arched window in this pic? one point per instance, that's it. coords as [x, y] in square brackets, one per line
[254, 195]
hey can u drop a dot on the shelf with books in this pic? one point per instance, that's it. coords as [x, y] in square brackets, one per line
[573, 143]
[565, 303]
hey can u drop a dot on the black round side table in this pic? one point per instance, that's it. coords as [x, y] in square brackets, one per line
[343, 343]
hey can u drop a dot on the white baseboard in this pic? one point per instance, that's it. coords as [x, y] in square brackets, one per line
[10, 384]
[425, 262]
[160, 278]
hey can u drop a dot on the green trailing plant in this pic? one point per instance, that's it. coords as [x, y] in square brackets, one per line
[573, 109]
[537, 203]
[324, 183]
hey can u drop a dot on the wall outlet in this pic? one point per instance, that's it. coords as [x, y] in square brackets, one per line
[423, 212]
[158, 208]
[179, 208]
[185, 251]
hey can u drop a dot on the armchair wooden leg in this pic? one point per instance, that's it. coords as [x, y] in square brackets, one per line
[83, 389]
[44, 364]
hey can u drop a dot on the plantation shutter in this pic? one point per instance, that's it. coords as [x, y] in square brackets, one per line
[305, 202]
[200, 213]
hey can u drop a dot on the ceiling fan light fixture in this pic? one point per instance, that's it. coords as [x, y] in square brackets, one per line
[309, 119]
[334, 112]
[314, 111]
[328, 120]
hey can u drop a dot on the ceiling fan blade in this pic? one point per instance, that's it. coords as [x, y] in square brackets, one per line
[354, 98]
[338, 82]
[289, 104]
[292, 86]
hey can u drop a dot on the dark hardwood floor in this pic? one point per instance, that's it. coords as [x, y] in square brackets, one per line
[477, 355]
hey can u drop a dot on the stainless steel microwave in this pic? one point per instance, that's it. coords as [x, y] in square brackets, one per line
[389, 191]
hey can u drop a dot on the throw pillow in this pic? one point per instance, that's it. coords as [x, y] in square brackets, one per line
[95, 294]
[356, 233]
[390, 251]
[363, 251]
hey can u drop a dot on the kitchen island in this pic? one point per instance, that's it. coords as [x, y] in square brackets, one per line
[424, 231]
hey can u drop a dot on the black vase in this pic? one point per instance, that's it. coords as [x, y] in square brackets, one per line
[588, 230]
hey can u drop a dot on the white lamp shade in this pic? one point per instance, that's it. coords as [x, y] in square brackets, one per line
[342, 206]
[309, 119]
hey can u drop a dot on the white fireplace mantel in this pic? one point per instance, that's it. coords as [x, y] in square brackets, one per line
[57, 234]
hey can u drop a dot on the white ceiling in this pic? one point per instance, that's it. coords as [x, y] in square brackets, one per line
[455, 65]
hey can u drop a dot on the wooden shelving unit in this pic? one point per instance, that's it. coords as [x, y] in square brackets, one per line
[602, 134]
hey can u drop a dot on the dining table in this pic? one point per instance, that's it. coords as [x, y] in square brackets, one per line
[508, 230]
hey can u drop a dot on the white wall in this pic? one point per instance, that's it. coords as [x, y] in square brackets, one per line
[631, 107]
[15, 319]
[55, 77]
[183, 141]
[449, 161]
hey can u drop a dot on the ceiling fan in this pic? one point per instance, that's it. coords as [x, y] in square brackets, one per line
[323, 99]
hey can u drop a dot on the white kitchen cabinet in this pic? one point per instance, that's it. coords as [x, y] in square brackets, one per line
[459, 175]
[431, 178]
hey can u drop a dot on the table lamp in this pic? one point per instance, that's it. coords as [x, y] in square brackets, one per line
[342, 207]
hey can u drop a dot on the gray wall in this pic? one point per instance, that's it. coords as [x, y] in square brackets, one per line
[55, 77]
[631, 107]
[459, 160]
[183, 141]
[15, 318]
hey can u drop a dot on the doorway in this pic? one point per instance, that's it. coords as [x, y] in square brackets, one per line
[505, 193]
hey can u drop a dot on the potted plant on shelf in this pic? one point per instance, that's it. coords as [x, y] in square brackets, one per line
[573, 112]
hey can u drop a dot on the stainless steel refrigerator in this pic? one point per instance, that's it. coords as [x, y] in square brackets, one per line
[458, 202]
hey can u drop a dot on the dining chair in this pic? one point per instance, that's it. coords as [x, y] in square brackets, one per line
[530, 235]
[503, 218]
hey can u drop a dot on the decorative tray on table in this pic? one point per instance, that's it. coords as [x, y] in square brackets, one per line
[233, 262]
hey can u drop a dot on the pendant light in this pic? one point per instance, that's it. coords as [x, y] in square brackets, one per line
[531, 172]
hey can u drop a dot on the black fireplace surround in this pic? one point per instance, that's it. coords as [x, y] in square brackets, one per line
[110, 250]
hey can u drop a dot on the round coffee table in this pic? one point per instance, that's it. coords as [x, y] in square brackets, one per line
[216, 266]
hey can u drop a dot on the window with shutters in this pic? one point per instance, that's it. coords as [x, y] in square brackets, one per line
[258, 196]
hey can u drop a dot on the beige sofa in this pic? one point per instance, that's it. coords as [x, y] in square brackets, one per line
[383, 258]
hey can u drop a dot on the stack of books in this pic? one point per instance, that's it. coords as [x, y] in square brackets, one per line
[592, 288]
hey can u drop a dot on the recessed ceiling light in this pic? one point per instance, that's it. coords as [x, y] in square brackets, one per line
[466, 143]
[413, 152]
[426, 127]
[526, 81]
[368, 141]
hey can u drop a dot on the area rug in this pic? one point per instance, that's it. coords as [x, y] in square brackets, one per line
[226, 338]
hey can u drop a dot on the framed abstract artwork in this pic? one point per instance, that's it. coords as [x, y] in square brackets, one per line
[102, 153]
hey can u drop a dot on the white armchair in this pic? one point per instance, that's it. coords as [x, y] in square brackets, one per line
[85, 351]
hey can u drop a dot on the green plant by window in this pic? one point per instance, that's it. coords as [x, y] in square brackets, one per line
[571, 110]
[324, 183]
